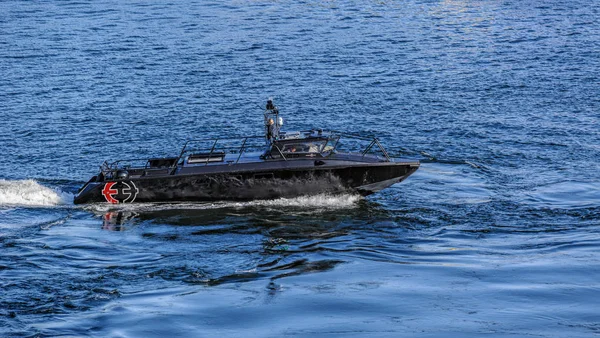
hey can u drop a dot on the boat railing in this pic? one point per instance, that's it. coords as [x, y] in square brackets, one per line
[212, 149]
[124, 164]
[333, 136]
[372, 142]
[110, 169]
[219, 147]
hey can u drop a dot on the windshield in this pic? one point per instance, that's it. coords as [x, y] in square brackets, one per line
[303, 147]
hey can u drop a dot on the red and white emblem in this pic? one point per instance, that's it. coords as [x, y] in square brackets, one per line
[120, 192]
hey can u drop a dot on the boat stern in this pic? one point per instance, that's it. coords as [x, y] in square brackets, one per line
[89, 193]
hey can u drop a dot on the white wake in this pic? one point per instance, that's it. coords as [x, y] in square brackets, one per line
[307, 203]
[313, 201]
[31, 193]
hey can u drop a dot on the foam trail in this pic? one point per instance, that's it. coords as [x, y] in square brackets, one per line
[313, 202]
[30, 193]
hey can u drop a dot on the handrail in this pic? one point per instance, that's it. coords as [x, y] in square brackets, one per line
[211, 151]
[374, 141]
[241, 150]
[214, 145]
[385, 153]
[112, 165]
[330, 134]
[280, 152]
[350, 135]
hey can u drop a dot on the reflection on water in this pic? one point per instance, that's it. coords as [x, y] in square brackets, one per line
[117, 220]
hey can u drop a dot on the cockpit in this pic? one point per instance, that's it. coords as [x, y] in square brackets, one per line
[303, 147]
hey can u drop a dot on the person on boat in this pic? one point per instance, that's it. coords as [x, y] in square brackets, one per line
[272, 131]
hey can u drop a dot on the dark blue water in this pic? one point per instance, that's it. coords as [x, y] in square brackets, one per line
[497, 234]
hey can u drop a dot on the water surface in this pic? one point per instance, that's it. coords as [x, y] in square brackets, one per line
[497, 233]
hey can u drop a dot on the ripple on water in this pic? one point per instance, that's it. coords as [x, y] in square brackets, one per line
[449, 184]
[566, 194]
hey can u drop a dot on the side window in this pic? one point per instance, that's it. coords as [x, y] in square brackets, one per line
[293, 148]
[331, 144]
[305, 147]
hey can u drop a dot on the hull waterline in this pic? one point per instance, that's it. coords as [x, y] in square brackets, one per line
[261, 183]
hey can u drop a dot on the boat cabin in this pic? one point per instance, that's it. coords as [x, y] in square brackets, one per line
[311, 143]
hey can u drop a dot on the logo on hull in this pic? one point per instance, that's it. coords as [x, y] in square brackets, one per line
[120, 192]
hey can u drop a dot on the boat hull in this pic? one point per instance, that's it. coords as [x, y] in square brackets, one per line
[253, 183]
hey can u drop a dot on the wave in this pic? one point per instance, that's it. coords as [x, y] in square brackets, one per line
[31, 193]
[565, 195]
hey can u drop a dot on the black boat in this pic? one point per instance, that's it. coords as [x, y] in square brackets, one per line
[277, 164]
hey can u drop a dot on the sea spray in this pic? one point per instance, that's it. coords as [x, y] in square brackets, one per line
[30, 193]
